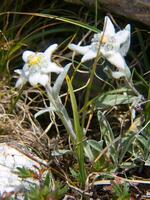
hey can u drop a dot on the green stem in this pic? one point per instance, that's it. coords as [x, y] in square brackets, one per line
[87, 95]
[79, 134]
[80, 154]
[76, 138]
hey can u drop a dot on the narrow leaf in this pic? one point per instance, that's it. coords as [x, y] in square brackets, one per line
[63, 19]
[49, 109]
[59, 81]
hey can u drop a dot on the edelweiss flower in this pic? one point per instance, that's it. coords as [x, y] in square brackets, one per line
[111, 45]
[37, 67]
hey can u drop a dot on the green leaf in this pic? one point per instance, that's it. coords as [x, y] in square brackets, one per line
[113, 98]
[76, 118]
[47, 180]
[60, 152]
[107, 134]
[60, 190]
[125, 146]
[63, 19]
[147, 107]
[74, 174]
[88, 151]
[97, 145]
[25, 172]
[121, 191]
[79, 133]
[92, 148]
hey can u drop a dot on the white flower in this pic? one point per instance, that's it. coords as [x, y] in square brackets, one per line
[37, 67]
[111, 45]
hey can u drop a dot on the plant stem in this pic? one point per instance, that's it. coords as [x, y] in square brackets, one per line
[79, 134]
[87, 95]
[61, 112]
[77, 138]
[130, 84]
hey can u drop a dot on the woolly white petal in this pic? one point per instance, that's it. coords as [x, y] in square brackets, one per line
[117, 60]
[34, 78]
[125, 47]
[55, 68]
[26, 70]
[117, 75]
[20, 82]
[18, 71]
[49, 51]
[108, 27]
[127, 72]
[79, 49]
[26, 54]
[52, 67]
[128, 27]
[89, 56]
[122, 36]
[43, 80]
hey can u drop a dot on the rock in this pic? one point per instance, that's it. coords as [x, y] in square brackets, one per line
[10, 159]
[138, 10]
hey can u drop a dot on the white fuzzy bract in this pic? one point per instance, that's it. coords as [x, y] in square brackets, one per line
[111, 45]
[37, 67]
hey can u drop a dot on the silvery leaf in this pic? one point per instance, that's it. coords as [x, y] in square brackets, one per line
[88, 152]
[49, 109]
[60, 152]
[57, 85]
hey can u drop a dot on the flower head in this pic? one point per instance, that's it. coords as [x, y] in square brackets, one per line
[111, 45]
[37, 67]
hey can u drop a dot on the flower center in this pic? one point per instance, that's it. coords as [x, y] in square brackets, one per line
[104, 39]
[34, 60]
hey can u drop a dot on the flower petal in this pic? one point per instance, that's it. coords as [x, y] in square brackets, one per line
[127, 72]
[89, 56]
[128, 27]
[18, 71]
[108, 27]
[125, 46]
[43, 80]
[26, 70]
[117, 75]
[52, 67]
[122, 36]
[34, 78]
[117, 60]
[20, 82]
[79, 49]
[49, 51]
[26, 54]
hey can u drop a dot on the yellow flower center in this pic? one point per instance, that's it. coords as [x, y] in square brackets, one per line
[104, 39]
[34, 60]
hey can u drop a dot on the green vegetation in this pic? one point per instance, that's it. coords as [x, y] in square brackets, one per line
[110, 117]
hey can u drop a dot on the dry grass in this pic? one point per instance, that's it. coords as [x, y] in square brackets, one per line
[20, 127]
